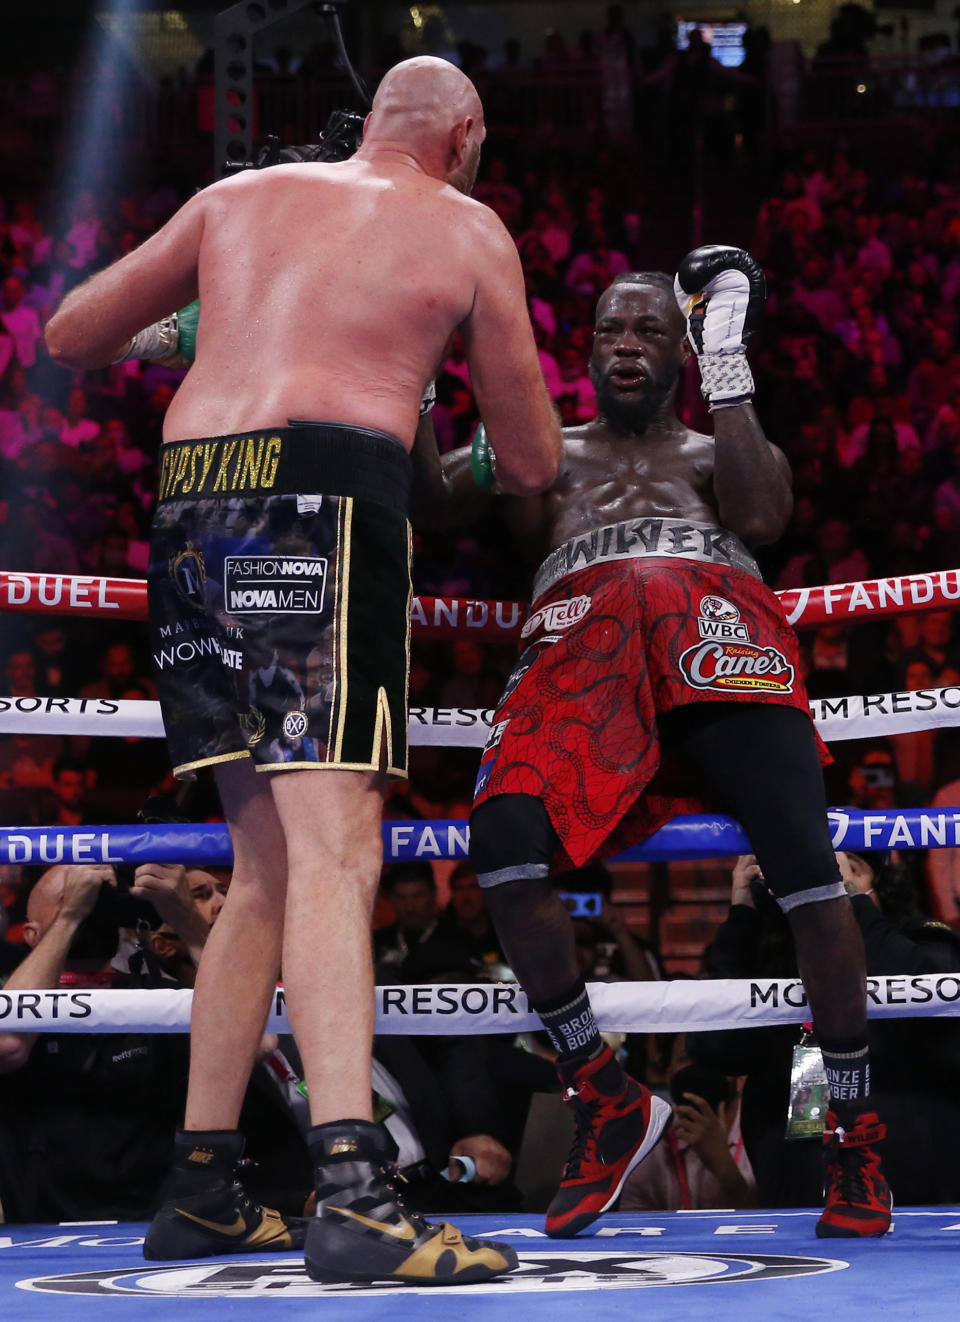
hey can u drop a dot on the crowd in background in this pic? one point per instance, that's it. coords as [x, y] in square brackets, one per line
[857, 367]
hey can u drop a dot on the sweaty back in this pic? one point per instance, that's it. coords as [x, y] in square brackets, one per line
[328, 291]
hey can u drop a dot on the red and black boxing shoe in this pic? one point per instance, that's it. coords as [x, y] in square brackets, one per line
[858, 1201]
[618, 1122]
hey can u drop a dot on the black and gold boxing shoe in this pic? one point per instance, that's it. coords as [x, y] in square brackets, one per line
[205, 1209]
[363, 1231]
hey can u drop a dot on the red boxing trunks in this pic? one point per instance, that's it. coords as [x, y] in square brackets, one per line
[635, 620]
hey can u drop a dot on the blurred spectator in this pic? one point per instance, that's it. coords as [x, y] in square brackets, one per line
[66, 802]
[77, 428]
[593, 268]
[20, 674]
[701, 1162]
[813, 293]
[833, 561]
[84, 230]
[931, 381]
[87, 1120]
[577, 399]
[468, 916]
[118, 672]
[21, 322]
[57, 666]
[208, 891]
[915, 1065]
[419, 929]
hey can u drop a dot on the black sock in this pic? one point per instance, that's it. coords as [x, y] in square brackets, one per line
[847, 1066]
[570, 1024]
[203, 1150]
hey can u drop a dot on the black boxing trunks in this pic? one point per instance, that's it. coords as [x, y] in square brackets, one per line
[630, 622]
[279, 591]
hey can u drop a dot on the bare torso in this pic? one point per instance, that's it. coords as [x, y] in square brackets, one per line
[327, 292]
[606, 477]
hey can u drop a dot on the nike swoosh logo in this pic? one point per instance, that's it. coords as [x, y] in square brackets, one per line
[404, 1231]
[238, 1228]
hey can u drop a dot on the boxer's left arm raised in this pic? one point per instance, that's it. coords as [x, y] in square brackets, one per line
[721, 292]
[518, 414]
[99, 317]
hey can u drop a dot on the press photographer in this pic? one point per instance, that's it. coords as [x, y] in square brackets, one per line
[86, 1120]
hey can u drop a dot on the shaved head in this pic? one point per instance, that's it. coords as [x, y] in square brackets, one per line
[44, 899]
[429, 109]
[424, 95]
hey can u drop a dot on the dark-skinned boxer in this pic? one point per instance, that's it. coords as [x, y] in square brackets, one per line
[654, 651]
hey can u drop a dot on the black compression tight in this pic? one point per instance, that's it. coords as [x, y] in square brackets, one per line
[761, 761]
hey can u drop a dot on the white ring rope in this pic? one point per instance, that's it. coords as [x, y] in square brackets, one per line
[871, 716]
[437, 1009]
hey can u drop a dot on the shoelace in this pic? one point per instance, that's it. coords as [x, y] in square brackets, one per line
[849, 1167]
[393, 1178]
[583, 1114]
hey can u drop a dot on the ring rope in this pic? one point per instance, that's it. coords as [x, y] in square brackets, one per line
[706, 835]
[873, 715]
[437, 1009]
[495, 621]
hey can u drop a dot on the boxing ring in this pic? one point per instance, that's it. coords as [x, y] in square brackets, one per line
[781, 1270]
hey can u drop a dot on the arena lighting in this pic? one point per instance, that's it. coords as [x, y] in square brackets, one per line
[91, 157]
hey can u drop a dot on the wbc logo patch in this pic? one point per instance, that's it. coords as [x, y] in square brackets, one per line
[719, 618]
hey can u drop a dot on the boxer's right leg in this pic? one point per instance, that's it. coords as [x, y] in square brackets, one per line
[618, 1121]
[362, 1230]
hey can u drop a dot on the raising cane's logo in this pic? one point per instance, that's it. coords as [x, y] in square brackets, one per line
[721, 667]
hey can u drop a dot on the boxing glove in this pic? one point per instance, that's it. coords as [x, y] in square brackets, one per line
[483, 460]
[171, 342]
[187, 319]
[721, 292]
[428, 398]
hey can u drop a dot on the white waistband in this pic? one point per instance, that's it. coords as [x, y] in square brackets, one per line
[671, 539]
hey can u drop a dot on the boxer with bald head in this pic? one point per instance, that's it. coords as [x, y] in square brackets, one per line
[329, 292]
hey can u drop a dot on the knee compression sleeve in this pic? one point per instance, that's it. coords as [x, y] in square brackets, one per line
[511, 839]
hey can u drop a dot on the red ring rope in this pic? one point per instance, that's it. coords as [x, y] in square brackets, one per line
[493, 621]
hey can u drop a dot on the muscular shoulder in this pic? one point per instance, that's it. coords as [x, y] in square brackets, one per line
[481, 230]
[695, 443]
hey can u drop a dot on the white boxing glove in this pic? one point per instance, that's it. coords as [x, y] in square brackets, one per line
[721, 292]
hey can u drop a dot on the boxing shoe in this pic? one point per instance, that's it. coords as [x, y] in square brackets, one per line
[618, 1122]
[205, 1210]
[363, 1231]
[858, 1201]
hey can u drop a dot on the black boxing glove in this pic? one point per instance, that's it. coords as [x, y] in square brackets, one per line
[721, 292]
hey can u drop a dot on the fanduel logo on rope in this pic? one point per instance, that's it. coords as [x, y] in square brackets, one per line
[265, 584]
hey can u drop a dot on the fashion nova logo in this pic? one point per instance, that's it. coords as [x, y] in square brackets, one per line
[558, 615]
[537, 1272]
[722, 666]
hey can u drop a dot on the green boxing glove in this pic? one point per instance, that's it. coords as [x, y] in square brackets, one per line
[483, 460]
[171, 342]
[187, 319]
